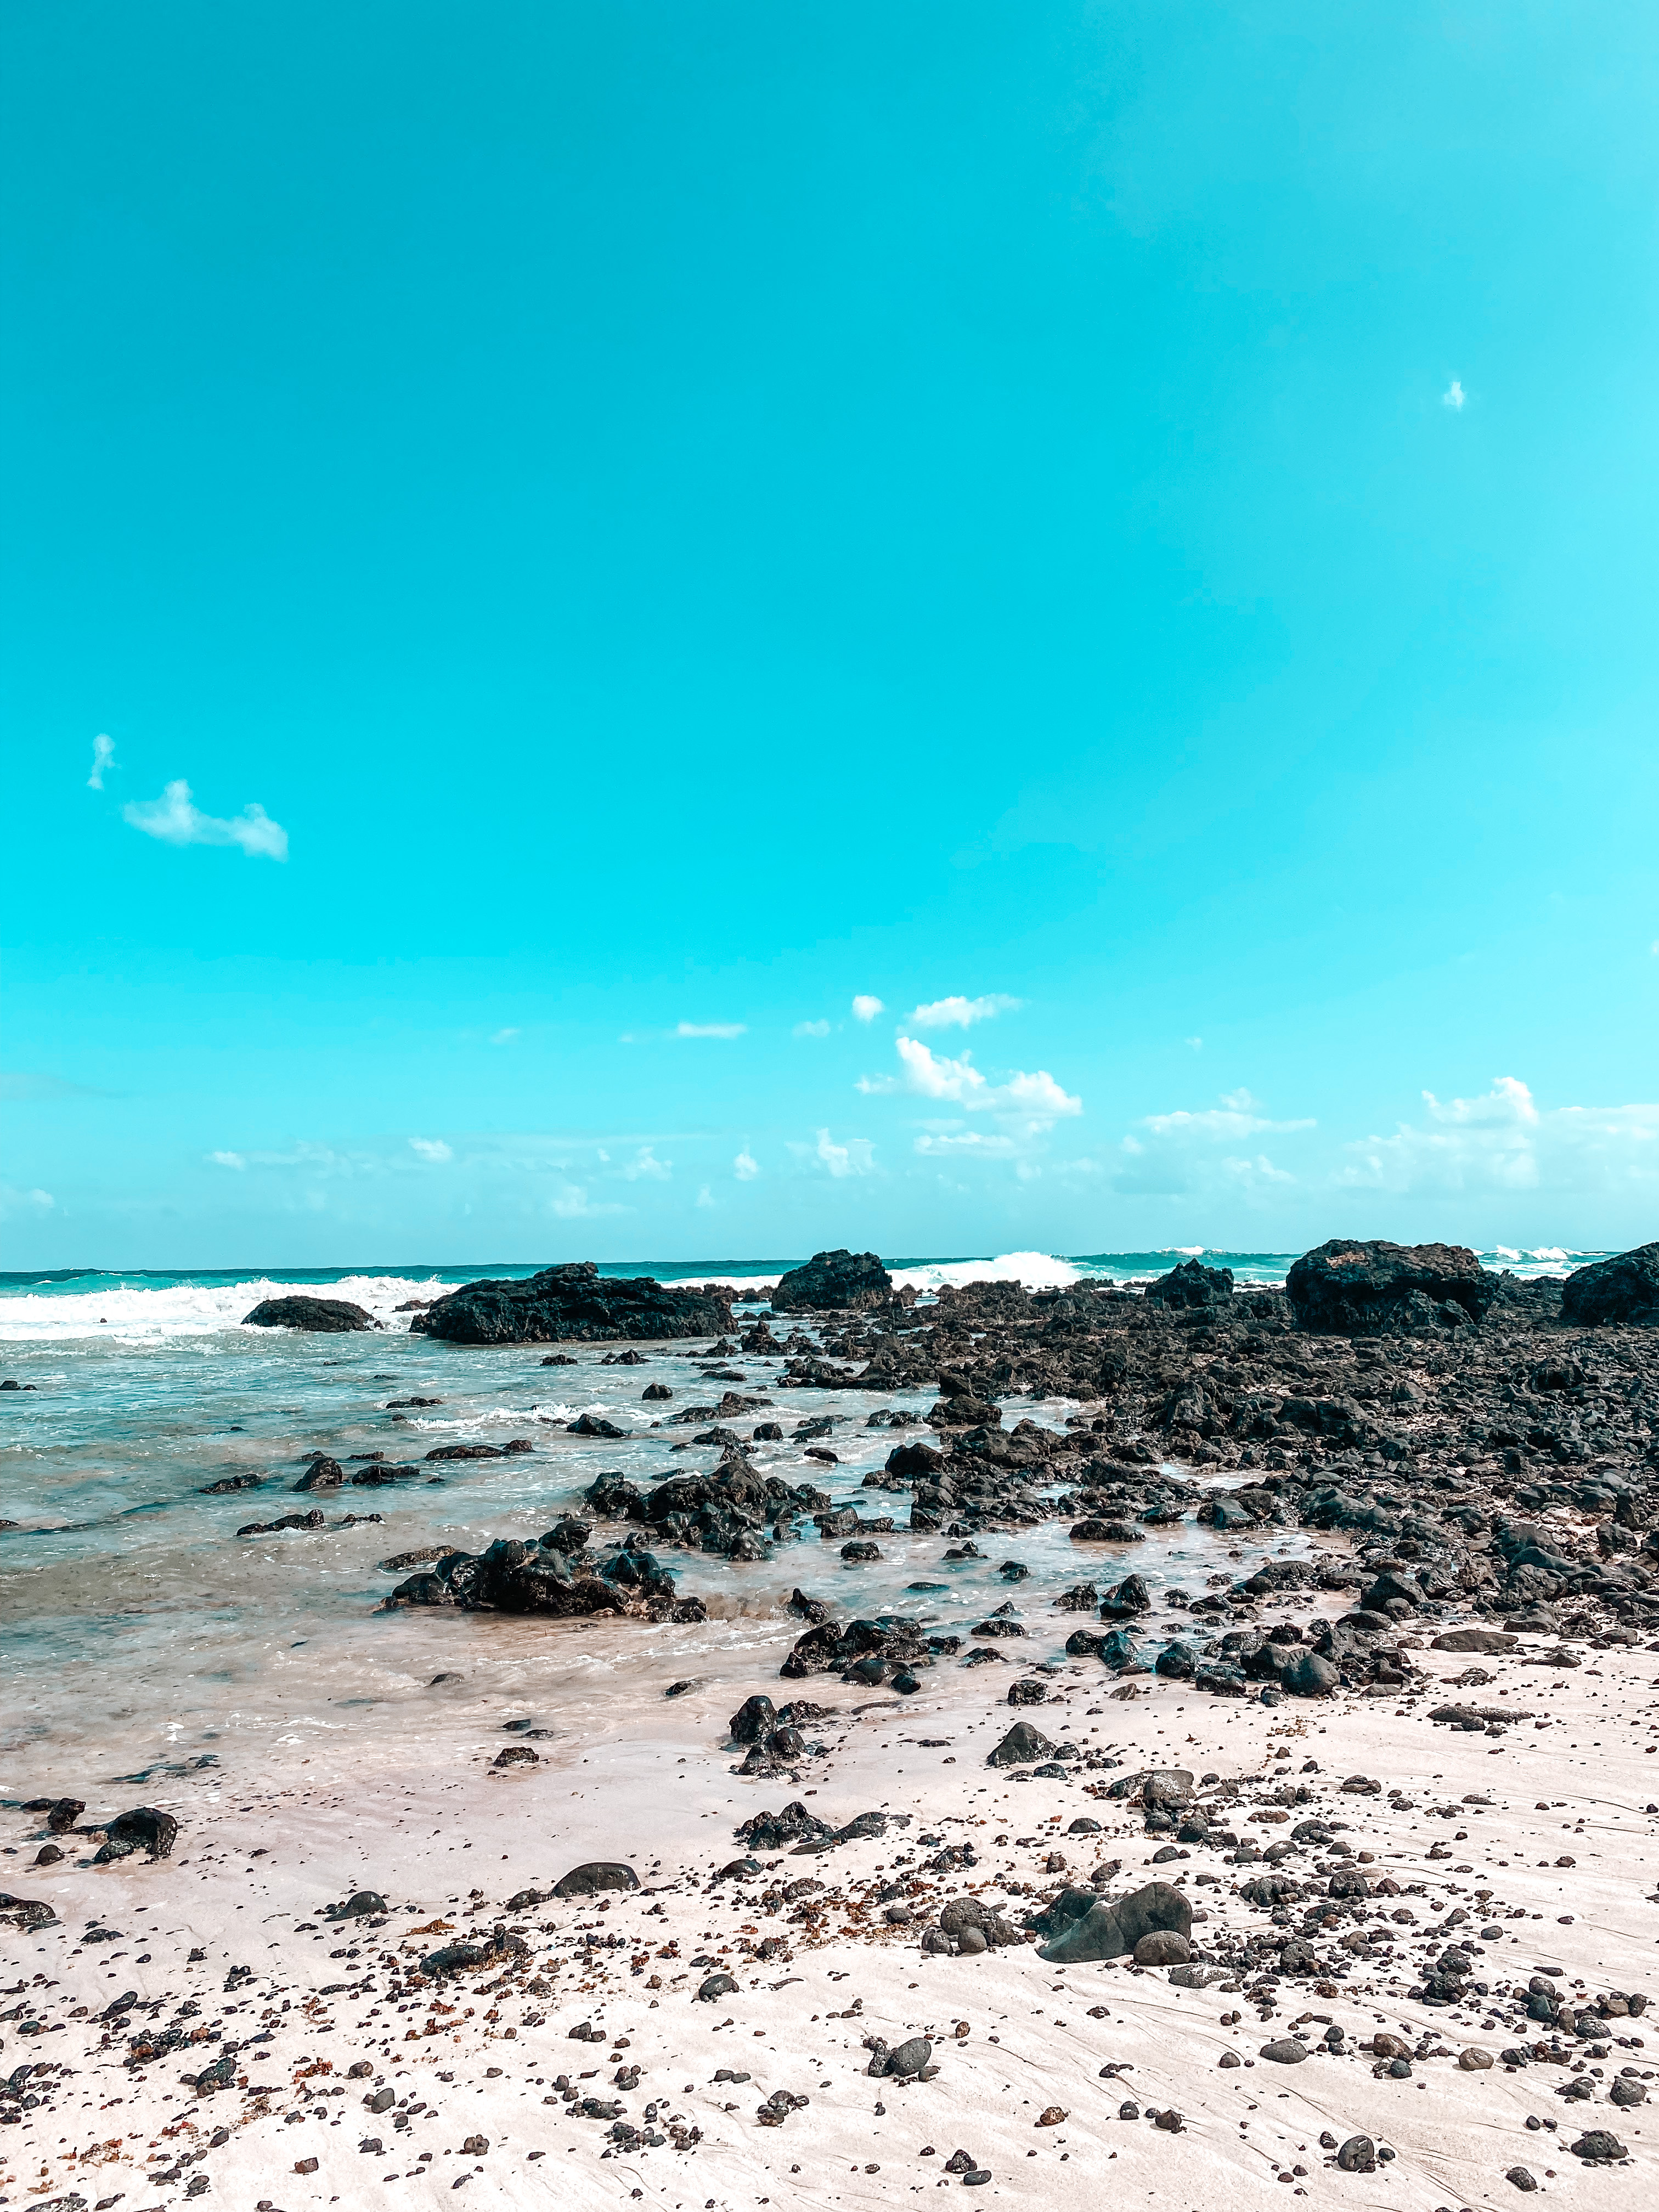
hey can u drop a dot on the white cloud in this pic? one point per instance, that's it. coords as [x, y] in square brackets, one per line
[970, 1144]
[432, 1150]
[1195, 1045]
[646, 1164]
[867, 1008]
[14, 1201]
[1504, 1141]
[1234, 1117]
[705, 1196]
[1035, 1100]
[228, 1160]
[176, 821]
[504, 1037]
[1168, 1155]
[1257, 1174]
[745, 1167]
[857, 1157]
[1453, 397]
[811, 1029]
[103, 753]
[570, 1202]
[710, 1028]
[959, 1012]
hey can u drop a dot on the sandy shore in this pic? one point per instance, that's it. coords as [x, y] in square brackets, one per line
[1563, 1862]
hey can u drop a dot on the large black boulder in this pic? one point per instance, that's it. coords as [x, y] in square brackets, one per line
[595, 1875]
[322, 1316]
[573, 1303]
[1353, 1288]
[1192, 1285]
[1623, 1289]
[1109, 1931]
[833, 1282]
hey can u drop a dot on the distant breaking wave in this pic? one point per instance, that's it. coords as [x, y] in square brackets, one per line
[66, 1304]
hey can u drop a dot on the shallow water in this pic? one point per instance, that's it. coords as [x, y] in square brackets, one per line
[141, 1630]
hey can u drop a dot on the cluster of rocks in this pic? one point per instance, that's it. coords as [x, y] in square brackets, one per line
[734, 1510]
[555, 1575]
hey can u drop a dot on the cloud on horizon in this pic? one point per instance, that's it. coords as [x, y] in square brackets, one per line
[176, 820]
[1504, 1141]
[432, 1150]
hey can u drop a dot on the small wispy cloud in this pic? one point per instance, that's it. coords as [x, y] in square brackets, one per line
[705, 1196]
[961, 1013]
[14, 1201]
[1453, 397]
[570, 1202]
[432, 1150]
[176, 820]
[103, 753]
[236, 1160]
[866, 1008]
[645, 1165]
[745, 1167]
[504, 1037]
[25, 1083]
[1195, 1044]
[811, 1029]
[710, 1028]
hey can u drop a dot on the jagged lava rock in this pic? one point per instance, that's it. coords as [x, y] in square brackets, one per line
[833, 1282]
[1350, 1287]
[1192, 1285]
[574, 1304]
[321, 1316]
[1623, 1289]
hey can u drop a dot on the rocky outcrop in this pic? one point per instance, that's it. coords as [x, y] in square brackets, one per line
[1191, 1286]
[320, 1317]
[1623, 1289]
[735, 1511]
[512, 1577]
[834, 1282]
[574, 1304]
[1353, 1288]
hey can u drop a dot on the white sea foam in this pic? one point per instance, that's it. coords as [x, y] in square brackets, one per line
[154, 1316]
[1037, 1270]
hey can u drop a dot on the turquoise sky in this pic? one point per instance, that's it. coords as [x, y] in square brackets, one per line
[552, 550]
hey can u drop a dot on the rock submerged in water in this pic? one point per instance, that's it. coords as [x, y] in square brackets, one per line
[833, 1282]
[514, 1577]
[320, 1317]
[1350, 1287]
[574, 1304]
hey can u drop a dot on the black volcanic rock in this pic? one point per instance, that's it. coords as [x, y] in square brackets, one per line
[1352, 1288]
[832, 1282]
[574, 1304]
[1192, 1285]
[322, 1316]
[1623, 1289]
